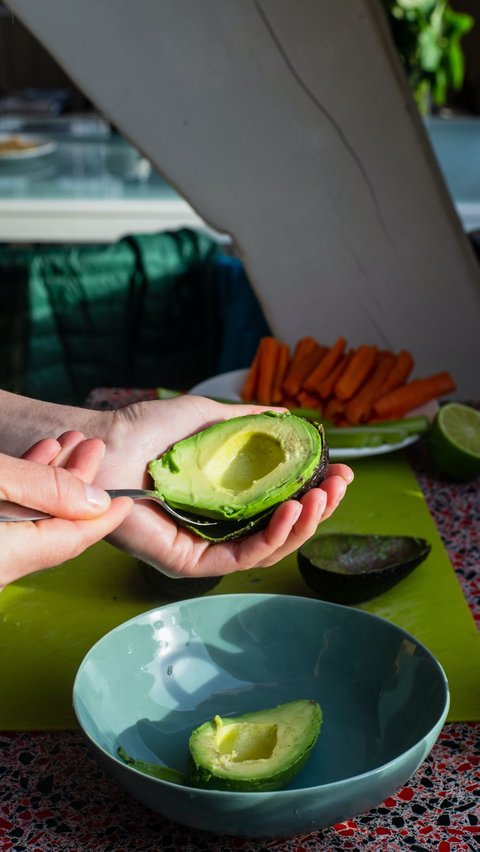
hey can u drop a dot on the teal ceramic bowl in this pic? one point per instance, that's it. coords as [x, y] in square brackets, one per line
[146, 684]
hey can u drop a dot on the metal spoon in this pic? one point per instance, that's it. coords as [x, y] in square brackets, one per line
[13, 512]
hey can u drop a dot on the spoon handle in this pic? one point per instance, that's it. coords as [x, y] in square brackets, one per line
[13, 512]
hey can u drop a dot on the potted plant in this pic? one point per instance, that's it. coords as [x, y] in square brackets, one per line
[428, 35]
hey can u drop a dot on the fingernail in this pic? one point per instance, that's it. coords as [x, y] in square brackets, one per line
[97, 497]
[298, 512]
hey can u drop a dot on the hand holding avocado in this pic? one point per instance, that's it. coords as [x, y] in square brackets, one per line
[143, 431]
[227, 479]
[133, 436]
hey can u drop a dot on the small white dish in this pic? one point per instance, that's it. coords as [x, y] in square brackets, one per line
[18, 146]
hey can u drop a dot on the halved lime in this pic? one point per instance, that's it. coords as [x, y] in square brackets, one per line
[455, 441]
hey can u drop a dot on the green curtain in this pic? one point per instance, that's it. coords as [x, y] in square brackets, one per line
[164, 309]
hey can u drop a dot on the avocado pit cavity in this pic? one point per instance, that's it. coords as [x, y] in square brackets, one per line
[246, 458]
[244, 741]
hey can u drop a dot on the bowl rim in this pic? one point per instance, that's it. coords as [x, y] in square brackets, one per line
[257, 596]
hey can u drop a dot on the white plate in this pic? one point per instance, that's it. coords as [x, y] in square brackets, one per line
[39, 146]
[227, 387]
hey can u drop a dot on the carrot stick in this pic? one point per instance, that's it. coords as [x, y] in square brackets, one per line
[358, 369]
[281, 367]
[288, 402]
[304, 345]
[249, 386]
[308, 400]
[333, 409]
[399, 373]
[325, 366]
[326, 388]
[266, 369]
[302, 348]
[359, 406]
[409, 396]
[300, 369]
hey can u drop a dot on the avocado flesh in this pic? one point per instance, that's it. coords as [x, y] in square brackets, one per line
[257, 751]
[236, 470]
[349, 568]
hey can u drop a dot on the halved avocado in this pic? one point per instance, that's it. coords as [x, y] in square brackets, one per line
[257, 751]
[238, 471]
[349, 568]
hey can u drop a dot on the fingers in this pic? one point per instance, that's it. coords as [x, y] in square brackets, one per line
[177, 552]
[291, 525]
[225, 412]
[67, 539]
[50, 489]
[85, 458]
[68, 441]
[54, 450]
[317, 505]
[29, 547]
[342, 470]
[44, 451]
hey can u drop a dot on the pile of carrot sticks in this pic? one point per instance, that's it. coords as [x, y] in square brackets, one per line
[347, 385]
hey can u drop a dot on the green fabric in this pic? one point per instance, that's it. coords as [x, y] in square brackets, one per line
[13, 318]
[149, 310]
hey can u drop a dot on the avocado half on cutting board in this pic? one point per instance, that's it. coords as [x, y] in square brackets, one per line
[350, 568]
[237, 472]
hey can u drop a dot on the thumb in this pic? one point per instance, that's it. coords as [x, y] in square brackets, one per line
[50, 489]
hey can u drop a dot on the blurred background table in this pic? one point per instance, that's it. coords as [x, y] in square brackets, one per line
[96, 187]
[91, 186]
[54, 797]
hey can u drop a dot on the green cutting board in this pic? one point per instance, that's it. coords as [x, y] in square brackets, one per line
[49, 620]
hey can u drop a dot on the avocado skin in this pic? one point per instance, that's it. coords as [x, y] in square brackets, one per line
[164, 773]
[202, 776]
[174, 588]
[355, 587]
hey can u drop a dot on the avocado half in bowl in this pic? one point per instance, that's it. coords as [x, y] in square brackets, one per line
[349, 568]
[235, 473]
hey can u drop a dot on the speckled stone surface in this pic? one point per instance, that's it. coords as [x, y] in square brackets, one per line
[54, 798]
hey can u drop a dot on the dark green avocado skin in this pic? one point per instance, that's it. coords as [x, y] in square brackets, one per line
[161, 586]
[230, 530]
[362, 583]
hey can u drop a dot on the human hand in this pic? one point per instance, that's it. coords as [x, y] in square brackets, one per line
[141, 432]
[54, 476]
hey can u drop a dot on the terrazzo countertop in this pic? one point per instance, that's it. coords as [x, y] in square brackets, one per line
[54, 797]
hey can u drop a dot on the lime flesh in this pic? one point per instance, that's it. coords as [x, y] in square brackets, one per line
[455, 441]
